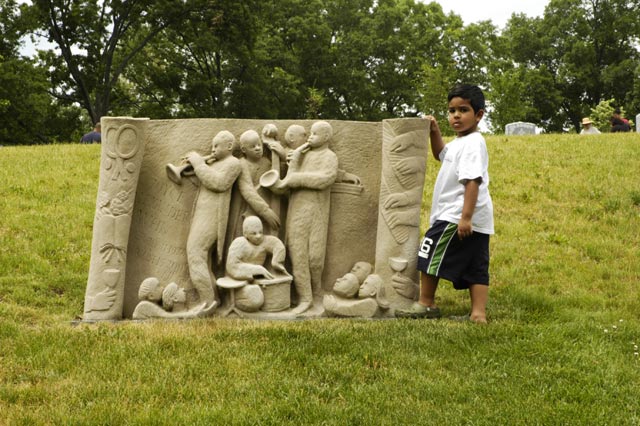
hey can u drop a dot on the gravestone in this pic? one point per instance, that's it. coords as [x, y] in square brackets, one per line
[320, 198]
[520, 128]
[638, 123]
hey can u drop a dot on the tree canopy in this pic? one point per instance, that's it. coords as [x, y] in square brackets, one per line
[335, 59]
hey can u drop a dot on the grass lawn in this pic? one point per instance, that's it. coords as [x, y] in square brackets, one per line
[561, 346]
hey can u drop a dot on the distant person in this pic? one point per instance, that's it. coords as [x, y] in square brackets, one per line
[618, 125]
[588, 128]
[456, 245]
[94, 136]
[617, 113]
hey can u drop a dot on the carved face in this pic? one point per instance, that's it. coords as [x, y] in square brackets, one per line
[346, 286]
[319, 135]
[361, 270]
[462, 119]
[368, 288]
[252, 148]
[295, 136]
[180, 296]
[252, 230]
[222, 145]
[151, 290]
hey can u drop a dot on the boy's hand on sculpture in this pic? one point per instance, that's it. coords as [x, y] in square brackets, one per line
[435, 129]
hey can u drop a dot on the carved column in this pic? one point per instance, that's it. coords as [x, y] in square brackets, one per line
[122, 151]
[405, 145]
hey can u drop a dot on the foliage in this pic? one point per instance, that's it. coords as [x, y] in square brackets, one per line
[335, 59]
[27, 113]
[602, 113]
[561, 346]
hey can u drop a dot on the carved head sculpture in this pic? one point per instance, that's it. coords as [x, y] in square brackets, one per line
[172, 295]
[151, 290]
[252, 230]
[321, 134]
[361, 270]
[373, 287]
[347, 285]
[295, 136]
[251, 145]
[222, 144]
[270, 132]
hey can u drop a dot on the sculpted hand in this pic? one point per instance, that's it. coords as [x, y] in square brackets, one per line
[278, 266]
[272, 219]
[262, 271]
[103, 300]
[399, 199]
[278, 149]
[412, 165]
[195, 159]
[404, 286]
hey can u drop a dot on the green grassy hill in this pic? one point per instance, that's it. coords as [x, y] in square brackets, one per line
[561, 346]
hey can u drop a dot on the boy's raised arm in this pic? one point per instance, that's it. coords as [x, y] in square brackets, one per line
[437, 145]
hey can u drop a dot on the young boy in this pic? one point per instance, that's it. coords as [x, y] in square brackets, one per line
[456, 246]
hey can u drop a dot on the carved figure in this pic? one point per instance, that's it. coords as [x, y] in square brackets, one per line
[211, 212]
[249, 199]
[370, 301]
[157, 301]
[294, 137]
[312, 171]
[248, 253]
[245, 263]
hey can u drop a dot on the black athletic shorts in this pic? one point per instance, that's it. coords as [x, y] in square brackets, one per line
[444, 255]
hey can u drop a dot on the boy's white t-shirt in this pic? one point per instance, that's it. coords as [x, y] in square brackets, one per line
[463, 159]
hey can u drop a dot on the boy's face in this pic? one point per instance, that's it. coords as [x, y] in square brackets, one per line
[252, 148]
[462, 119]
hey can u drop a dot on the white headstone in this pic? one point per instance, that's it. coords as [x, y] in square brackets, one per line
[638, 123]
[520, 128]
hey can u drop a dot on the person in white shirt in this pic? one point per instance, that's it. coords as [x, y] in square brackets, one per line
[588, 128]
[456, 246]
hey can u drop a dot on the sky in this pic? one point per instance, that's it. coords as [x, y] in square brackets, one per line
[497, 11]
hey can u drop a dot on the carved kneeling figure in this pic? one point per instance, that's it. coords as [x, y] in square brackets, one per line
[245, 264]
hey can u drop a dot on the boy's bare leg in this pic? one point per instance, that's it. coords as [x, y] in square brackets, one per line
[479, 296]
[428, 287]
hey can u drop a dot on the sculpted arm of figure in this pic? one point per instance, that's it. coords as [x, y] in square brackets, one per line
[255, 201]
[435, 137]
[324, 176]
[217, 179]
[470, 199]
[238, 268]
[278, 253]
[275, 146]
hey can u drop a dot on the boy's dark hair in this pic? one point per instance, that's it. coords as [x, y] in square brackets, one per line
[471, 93]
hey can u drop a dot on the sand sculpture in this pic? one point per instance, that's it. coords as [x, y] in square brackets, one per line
[256, 218]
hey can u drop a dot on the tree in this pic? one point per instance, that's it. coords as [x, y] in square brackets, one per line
[27, 113]
[96, 41]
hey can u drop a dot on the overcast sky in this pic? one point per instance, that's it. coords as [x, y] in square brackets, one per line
[497, 11]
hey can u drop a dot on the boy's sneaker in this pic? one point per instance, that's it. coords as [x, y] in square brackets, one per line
[419, 311]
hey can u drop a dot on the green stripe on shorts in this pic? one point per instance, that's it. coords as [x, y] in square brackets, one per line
[441, 246]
